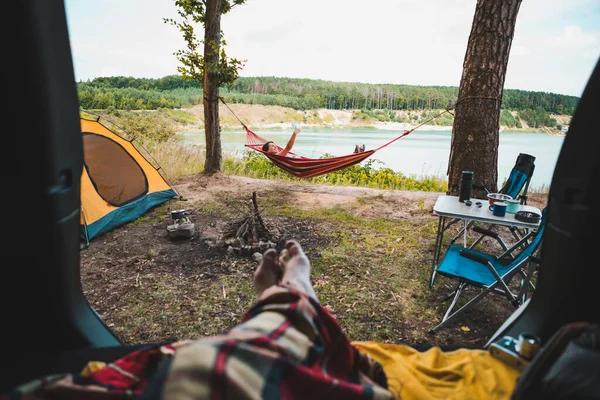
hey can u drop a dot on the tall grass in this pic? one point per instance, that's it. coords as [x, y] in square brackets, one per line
[365, 175]
[179, 160]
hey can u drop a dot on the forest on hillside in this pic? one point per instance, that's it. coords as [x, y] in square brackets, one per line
[128, 93]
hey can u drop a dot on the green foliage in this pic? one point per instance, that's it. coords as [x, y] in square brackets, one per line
[367, 175]
[297, 103]
[445, 119]
[550, 102]
[508, 119]
[256, 165]
[194, 64]
[121, 93]
[150, 128]
[309, 94]
[100, 96]
[179, 116]
[537, 118]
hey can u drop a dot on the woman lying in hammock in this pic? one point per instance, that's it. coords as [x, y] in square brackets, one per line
[270, 147]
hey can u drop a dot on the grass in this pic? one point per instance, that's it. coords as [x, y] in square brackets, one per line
[182, 160]
[370, 273]
[371, 267]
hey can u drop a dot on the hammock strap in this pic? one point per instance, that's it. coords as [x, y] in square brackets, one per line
[254, 139]
[236, 117]
[447, 110]
[304, 167]
[477, 97]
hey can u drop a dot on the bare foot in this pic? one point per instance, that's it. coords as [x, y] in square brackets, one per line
[268, 272]
[296, 268]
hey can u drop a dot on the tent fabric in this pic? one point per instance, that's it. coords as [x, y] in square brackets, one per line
[118, 184]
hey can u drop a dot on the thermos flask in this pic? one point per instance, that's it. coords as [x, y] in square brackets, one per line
[466, 186]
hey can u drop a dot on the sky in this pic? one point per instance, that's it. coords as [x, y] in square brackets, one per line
[414, 42]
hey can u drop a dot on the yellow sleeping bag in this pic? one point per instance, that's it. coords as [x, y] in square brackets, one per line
[435, 374]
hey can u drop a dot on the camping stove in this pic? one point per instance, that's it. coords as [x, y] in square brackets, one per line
[179, 216]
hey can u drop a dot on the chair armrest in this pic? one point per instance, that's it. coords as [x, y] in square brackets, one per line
[490, 233]
[486, 232]
[474, 257]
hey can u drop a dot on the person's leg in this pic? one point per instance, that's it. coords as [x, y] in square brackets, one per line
[292, 267]
[284, 331]
[296, 268]
[268, 273]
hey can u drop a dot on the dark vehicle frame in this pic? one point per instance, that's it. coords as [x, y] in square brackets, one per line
[49, 326]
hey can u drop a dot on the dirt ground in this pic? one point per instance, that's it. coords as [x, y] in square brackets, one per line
[150, 287]
[310, 196]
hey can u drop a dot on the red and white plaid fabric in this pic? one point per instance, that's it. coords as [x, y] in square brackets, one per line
[286, 347]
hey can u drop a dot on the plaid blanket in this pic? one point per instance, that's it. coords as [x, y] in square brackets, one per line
[287, 346]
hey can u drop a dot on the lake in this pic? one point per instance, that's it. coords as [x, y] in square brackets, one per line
[421, 153]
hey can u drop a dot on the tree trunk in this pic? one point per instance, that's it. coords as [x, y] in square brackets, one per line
[212, 44]
[475, 133]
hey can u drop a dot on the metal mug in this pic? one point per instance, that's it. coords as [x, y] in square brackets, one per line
[528, 345]
[512, 206]
[499, 208]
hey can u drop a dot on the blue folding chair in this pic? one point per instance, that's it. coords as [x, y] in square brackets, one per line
[492, 274]
[516, 186]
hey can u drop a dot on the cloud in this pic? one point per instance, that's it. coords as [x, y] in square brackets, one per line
[518, 50]
[572, 37]
[387, 41]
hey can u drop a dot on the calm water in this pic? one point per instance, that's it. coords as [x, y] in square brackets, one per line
[421, 153]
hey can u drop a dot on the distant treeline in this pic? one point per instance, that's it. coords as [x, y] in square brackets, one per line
[126, 93]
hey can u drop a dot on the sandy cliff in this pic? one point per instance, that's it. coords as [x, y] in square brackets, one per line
[277, 117]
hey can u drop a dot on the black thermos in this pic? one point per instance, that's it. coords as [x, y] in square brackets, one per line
[466, 186]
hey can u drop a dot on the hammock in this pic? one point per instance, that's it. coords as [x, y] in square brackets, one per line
[304, 167]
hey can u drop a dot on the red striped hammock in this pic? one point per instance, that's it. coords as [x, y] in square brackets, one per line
[304, 167]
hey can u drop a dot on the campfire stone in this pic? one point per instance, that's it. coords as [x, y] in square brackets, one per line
[182, 228]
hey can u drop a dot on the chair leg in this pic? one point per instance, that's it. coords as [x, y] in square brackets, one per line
[453, 293]
[516, 232]
[526, 283]
[504, 285]
[476, 242]
[461, 232]
[503, 290]
[454, 316]
[523, 242]
[457, 294]
[488, 232]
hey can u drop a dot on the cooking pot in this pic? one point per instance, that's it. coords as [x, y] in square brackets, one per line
[178, 214]
[494, 197]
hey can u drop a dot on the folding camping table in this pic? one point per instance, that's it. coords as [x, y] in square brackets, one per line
[450, 211]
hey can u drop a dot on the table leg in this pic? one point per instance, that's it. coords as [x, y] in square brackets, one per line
[437, 249]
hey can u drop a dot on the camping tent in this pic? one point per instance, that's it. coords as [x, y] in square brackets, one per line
[118, 184]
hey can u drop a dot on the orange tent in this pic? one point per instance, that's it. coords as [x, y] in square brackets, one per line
[118, 184]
